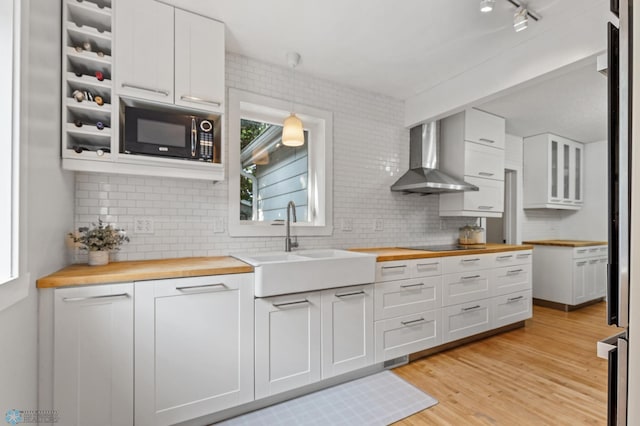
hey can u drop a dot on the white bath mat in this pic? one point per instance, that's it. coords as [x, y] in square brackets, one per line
[379, 399]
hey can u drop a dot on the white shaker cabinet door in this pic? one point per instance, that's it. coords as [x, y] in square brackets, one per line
[199, 62]
[144, 50]
[194, 347]
[93, 355]
[287, 342]
[347, 329]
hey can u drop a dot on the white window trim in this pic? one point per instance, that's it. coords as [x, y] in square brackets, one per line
[320, 125]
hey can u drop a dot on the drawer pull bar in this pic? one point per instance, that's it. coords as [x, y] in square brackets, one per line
[296, 302]
[353, 293]
[485, 174]
[593, 261]
[520, 256]
[411, 285]
[428, 264]
[471, 277]
[555, 200]
[104, 296]
[487, 140]
[515, 271]
[146, 89]
[412, 321]
[513, 299]
[199, 100]
[582, 251]
[471, 308]
[394, 267]
[197, 287]
[581, 263]
[476, 259]
[508, 256]
[485, 207]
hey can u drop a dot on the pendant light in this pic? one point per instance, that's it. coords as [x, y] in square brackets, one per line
[292, 130]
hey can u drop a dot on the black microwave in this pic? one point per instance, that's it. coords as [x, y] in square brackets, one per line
[166, 132]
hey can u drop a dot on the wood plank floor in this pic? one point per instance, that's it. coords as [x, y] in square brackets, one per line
[546, 373]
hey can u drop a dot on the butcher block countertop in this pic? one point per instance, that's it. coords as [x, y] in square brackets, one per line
[394, 253]
[567, 243]
[139, 270]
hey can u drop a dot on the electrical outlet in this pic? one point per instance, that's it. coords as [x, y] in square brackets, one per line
[218, 225]
[347, 225]
[379, 225]
[143, 225]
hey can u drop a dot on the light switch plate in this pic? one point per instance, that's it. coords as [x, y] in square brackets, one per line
[347, 225]
[143, 225]
[379, 225]
[218, 225]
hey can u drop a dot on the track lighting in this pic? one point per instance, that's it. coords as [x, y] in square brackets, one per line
[520, 19]
[486, 5]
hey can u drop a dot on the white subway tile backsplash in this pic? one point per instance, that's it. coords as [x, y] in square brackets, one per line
[371, 150]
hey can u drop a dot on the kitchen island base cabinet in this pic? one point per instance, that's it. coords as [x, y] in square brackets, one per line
[193, 347]
[93, 355]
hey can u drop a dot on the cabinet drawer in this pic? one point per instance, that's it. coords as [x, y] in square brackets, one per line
[403, 269]
[510, 279]
[490, 197]
[591, 251]
[513, 258]
[472, 262]
[404, 297]
[511, 308]
[483, 161]
[404, 335]
[484, 128]
[464, 320]
[465, 287]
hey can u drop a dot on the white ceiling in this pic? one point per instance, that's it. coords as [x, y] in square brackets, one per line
[572, 104]
[408, 48]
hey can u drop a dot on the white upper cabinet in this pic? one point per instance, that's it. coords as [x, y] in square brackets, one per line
[553, 172]
[472, 149]
[199, 62]
[144, 50]
[177, 57]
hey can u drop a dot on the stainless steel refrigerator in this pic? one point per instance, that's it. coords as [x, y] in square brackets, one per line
[619, 76]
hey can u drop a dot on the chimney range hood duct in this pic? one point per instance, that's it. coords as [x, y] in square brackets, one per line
[423, 176]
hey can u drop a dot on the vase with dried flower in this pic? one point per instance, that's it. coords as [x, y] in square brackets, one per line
[99, 240]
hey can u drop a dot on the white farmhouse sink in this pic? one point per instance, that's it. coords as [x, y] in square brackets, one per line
[308, 270]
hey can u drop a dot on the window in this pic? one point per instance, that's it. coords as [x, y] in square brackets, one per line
[265, 175]
[9, 136]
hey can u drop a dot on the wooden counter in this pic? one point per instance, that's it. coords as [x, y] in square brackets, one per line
[394, 253]
[566, 243]
[139, 270]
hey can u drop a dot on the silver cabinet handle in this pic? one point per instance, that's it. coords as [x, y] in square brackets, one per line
[582, 251]
[485, 174]
[412, 285]
[394, 267]
[593, 261]
[199, 100]
[567, 201]
[486, 140]
[508, 256]
[475, 259]
[520, 256]
[353, 293]
[146, 89]
[555, 200]
[295, 302]
[581, 263]
[412, 321]
[428, 264]
[471, 277]
[515, 271]
[513, 299]
[485, 207]
[101, 297]
[200, 286]
[471, 308]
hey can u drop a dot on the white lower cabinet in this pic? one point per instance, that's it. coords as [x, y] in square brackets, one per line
[407, 334]
[287, 342]
[402, 297]
[511, 308]
[193, 347]
[466, 319]
[511, 279]
[93, 355]
[303, 338]
[465, 287]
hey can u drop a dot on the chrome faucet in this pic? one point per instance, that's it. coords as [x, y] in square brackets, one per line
[288, 244]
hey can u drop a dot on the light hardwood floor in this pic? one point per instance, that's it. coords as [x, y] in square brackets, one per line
[546, 373]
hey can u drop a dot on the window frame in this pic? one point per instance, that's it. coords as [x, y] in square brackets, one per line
[319, 123]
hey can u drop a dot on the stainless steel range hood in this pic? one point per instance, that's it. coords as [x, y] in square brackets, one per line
[423, 176]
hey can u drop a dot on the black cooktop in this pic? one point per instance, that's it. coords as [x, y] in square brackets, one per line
[440, 247]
